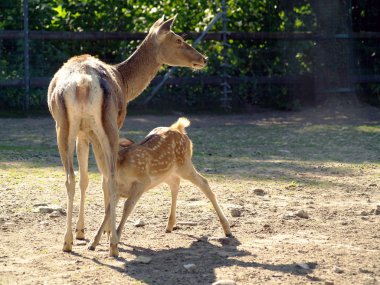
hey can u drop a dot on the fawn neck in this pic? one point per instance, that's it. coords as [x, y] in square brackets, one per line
[139, 69]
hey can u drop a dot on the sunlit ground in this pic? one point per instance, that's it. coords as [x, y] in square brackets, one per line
[328, 165]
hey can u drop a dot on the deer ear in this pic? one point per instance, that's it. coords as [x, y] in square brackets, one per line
[123, 142]
[167, 25]
[157, 24]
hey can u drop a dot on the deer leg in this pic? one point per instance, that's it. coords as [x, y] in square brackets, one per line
[197, 179]
[111, 187]
[107, 226]
[66, 141]
[174, 187]
[108, 139]
[136, 192]
[100, 160]
[105, 149]
[82, 155]
[96, 239]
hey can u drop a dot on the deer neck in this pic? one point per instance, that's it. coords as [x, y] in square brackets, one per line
[139, 69]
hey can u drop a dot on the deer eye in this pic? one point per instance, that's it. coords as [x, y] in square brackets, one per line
[178, 41]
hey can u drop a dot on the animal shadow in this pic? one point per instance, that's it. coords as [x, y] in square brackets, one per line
[168, 266]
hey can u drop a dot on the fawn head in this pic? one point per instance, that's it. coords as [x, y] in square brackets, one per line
[124, 142]
[172, 48]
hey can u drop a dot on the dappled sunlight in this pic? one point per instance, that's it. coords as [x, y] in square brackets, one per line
[368, 129]
[330, 171]
[309, 173]
[279, 147]
[31, 132]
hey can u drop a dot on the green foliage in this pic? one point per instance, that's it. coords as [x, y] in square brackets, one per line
[365, 14]
[247, 58]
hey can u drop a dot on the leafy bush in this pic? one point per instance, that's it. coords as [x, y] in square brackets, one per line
[247, 58]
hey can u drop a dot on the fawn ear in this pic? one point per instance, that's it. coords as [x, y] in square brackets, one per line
[124, 142]
[166, 26]
[157, 24]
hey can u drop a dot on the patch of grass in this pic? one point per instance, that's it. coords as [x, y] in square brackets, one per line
[261, 148]
[292, 185]
[314, 155]
[369, 129]
[43, 250]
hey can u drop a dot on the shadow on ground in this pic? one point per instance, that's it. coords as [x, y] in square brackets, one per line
[167, 266]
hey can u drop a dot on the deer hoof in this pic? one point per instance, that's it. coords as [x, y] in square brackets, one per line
[79, 234]
[169, 230]
[67, 247]
[114, 251]
[228, 233]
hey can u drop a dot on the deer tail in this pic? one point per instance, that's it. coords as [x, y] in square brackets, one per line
[181, 124]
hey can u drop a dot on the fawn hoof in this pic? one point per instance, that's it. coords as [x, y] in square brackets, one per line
[228, 232]
[79, 234]
[169, 230]
[114, 251]
[67, 246]
[92, 245]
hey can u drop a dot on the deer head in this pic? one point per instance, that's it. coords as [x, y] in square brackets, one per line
[172, 48]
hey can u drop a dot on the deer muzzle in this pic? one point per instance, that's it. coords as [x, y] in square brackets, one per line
[200, 63]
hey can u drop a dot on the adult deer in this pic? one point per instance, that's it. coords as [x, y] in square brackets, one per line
[164, 156]
[88, 98]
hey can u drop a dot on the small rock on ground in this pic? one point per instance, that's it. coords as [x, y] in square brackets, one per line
[235, 212]
[377, 211]
[302, 214]
[303, 266]
[55, 214]
[364, 270]
[190, 267]
[337, 269]
[224, 282]
[223, 253]
[143, 259]
[259, 192]
[288, 216]
[47, 208]
[139, 223]
[364, 213]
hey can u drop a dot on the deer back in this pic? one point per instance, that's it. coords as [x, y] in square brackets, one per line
[156, 157]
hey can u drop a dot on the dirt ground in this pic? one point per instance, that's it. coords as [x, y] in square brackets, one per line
[303, 188]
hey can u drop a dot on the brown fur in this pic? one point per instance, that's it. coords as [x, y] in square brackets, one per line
[88, 99]
[164, 156]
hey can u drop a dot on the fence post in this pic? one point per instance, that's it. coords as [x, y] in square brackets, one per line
[26, 102]
[333, 61]
[226, 86]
